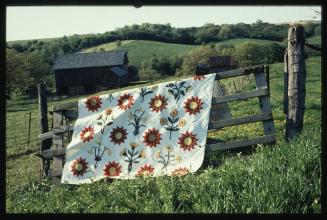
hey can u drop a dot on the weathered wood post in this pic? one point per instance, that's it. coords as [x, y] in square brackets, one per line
[43, 109]
[296, 81]
[285, 103]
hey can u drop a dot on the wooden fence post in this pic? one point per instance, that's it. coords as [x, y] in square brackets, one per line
[296, 81]
[43, 108]
[285, 103]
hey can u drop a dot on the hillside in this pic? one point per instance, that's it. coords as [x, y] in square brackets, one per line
[140, 50]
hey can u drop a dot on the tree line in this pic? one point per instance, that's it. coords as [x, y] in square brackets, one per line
[28, 63]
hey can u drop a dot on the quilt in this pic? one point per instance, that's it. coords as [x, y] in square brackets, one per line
[150, 131]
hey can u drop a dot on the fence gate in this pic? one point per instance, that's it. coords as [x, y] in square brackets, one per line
[65, 113]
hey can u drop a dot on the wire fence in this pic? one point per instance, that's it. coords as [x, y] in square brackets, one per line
[22, 130]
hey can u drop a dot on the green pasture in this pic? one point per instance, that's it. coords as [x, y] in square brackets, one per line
[284, 178]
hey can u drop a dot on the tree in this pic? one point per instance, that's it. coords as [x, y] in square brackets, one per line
[249, 54]
[36, 66]
[225, 33]
[17, 76]
[198, 55]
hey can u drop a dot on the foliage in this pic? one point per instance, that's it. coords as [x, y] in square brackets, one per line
[24, 70]
[284, 178]
[198, 55]
[159, 67]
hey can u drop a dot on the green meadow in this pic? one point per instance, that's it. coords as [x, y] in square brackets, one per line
[284, 178]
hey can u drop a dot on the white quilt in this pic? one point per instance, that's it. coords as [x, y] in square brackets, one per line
[150, 131]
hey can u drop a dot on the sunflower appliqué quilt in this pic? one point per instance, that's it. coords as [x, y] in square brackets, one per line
[150, 131]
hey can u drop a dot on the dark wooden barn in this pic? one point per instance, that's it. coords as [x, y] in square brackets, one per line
[85, 73]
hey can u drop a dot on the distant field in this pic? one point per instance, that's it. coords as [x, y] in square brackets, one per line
[314, 40]
[108, 46]
[140, 50]
[234, 42]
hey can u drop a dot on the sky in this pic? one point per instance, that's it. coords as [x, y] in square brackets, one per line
[31, 22]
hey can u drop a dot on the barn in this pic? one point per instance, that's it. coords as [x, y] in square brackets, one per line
[85, 73]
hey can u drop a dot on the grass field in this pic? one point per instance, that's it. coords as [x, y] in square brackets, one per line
[140, 50]
[284, 178]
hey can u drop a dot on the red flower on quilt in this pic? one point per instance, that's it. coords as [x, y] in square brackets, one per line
[198, 77]
[112, 169]
[87, 134]
[193, 105]
[79, 167]
[118, 135]
[158, 103]
[187, 141]
[93, 103]
[145, 171]
[180, 172]
[152, 137]
[125, 102]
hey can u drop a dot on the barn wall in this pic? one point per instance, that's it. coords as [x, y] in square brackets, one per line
[67, 81]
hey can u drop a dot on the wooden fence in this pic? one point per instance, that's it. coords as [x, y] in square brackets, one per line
[65, 114]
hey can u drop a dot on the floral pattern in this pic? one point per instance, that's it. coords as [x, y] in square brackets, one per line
[112, 169]
[158, 103]
[79, 167]
[93, 103]
[180, 171]
[87, 134]
[146, 170]
[151, 131]
[125, 102]
[193, 105]
[187, 141]
[152, 137]
[118, 135]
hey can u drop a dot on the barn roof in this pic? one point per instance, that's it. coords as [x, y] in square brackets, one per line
[95, 59]
[118, 71]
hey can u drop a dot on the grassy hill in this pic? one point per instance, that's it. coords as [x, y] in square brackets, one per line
[284, 178]
[140, 50]
[237, 41]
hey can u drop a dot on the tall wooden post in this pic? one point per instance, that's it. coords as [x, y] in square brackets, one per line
[296, 81]
[43, 109]
[285, 103]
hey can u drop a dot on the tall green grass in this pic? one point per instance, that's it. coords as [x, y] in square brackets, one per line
[284, 178]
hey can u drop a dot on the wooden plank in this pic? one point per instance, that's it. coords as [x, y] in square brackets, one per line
[58, 130]
[240, 96]
[239, 72]
[49, 154]
[243, 143]
[264, 102]
[55, 173]
[240, 121]
[219, 111]
[65, 106]
[58, 142]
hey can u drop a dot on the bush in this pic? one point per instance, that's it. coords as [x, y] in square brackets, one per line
[198, 55]
[159, 67]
